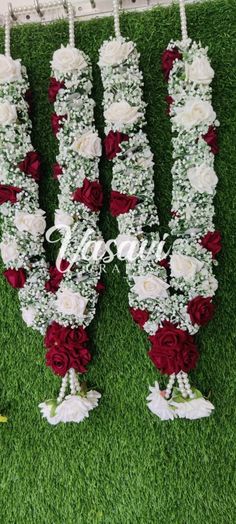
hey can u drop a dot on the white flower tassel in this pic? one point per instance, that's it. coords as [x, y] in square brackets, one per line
[185, 402]
[71, 408]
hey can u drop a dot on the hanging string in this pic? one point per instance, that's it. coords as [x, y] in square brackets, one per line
[71, 25]
[7, 35]
[183, 20]
[116, 18]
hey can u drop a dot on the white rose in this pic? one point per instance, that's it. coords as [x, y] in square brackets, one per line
[184, 266]
[10, 70]
[8, 114]
[193, 409]
[34, 224]
[115, 52]
[200, 71]
[121, 113]
[146, 162]
[150, 286]
[63, 218]
[158, 404]
[88, 145]
[68, 59]
[9, 251]
[28, 315]
[70, 303]
[127, 247]
[202, 178]
[194, 112]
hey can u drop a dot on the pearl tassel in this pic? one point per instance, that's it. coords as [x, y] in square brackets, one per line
[7, 36]
[170, 386]
[183, 21]
[71, 26]
[63, 389]
[116, 18]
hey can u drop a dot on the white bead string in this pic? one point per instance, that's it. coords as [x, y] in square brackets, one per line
[170, 386]
[71, 25]
[7, 35]
[72, 381]
[187, 385]
[116, 18]
[183, 21]
[63, 389]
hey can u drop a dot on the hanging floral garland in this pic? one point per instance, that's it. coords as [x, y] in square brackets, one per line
[169, 305]
[57, 304]
[80, 199]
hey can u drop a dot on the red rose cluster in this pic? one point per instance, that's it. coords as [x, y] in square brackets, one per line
[66, 349]
[90, 194]
[54, 87]
[173, 350]
[167, 60]
[8, 194]
[31, 165]
[211, 139]
[112, 143]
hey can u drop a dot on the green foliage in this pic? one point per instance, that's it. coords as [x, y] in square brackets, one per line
[123, 465]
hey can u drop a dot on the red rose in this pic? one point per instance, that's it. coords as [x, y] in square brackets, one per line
[201, 310]
[211, 139]
[65, 337]
[213, 242]
[167, 60]
[56, 122]
[62, 359]
[79, 359]
[56, 277]
[15, 277]
[121, 203]
[90, 194]
[140, 316]
[164, 263]
[8, 194]
[58, 360]
[31, 165]
[100, 287]
[169, 101]
[112, 143]
[173, 350]
[54, 87]
[56, 171]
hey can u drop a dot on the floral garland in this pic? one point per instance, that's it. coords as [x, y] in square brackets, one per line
[170, 305]
[23, 223]
[80, 200]
[58, 305]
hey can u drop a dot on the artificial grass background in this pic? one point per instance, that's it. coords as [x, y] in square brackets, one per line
[123, 465]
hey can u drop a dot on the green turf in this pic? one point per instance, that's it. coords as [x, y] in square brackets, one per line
[123, 465]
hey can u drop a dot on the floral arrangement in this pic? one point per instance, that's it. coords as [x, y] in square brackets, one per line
[59, 301]
[170, 297]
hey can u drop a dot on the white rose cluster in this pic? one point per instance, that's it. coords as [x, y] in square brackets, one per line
[67, 59]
